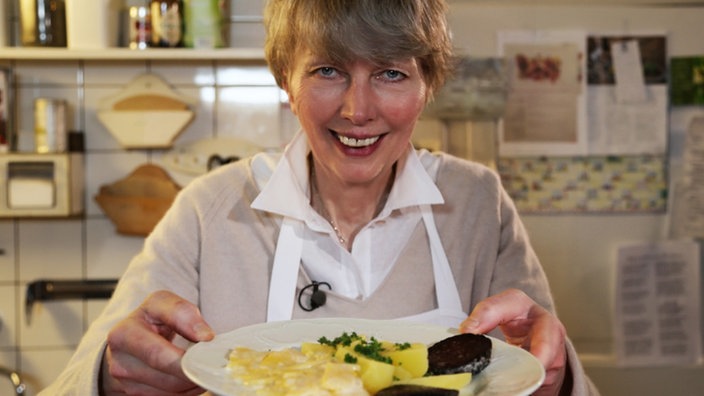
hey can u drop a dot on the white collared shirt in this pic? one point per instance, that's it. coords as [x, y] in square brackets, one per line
[356, 273]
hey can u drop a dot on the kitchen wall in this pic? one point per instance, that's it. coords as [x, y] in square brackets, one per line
[577, 251]
[234, 99]
[89, 247]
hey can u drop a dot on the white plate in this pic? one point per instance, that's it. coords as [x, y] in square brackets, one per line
[512, 370]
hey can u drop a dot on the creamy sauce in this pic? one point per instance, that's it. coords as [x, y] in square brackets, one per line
[292, 372]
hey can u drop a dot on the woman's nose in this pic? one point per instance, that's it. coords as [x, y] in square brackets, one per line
[358, 103]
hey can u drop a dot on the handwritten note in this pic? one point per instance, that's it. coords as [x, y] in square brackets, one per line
[658, 304]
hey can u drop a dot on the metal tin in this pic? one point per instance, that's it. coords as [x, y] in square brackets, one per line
[140, 27]
[50, 125]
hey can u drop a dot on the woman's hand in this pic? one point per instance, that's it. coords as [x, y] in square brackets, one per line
[528, 325]
[140, 357]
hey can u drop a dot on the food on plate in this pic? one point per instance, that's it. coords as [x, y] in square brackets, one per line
[380, 362]
[353, 364]
[444, 381]
[416, 390]
[294, 372]
[462, 353]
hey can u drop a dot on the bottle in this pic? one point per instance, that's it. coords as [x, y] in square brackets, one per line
[138, 34]
[203, 23]
[43, 23]
[167, 23]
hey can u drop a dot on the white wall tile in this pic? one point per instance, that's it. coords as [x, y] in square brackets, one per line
[8, 316]
[96, 73]
[41, 367]
[202, 126]
[50, 249]
[247, 35]
[7, 245]
[51, 323]
[50, 74]
[108, 253]
[250, 113]
[185, 72]
[246, 7]
[232, 73]
[107, 168]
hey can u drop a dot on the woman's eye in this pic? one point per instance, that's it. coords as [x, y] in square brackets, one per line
[393, 75]
[327, 71]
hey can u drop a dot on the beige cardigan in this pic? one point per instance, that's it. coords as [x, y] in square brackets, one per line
[214, 250]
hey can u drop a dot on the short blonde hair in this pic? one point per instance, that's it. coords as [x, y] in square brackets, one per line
[380, 31]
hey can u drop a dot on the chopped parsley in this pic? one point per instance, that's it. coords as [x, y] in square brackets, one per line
[371, 348]
[345, 339]
[350, 359]
[404, 346]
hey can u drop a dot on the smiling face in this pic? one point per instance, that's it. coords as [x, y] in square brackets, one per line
[358, 116]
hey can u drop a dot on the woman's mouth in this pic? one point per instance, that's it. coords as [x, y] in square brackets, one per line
[357, 143]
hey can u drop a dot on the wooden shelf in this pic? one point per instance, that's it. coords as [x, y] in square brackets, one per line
[117, 54]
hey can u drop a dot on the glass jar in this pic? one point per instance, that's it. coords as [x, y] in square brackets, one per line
[167, 23]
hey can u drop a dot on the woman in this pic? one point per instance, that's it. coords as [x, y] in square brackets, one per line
[395, 233]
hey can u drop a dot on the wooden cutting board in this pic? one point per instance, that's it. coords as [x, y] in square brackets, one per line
[137, 203]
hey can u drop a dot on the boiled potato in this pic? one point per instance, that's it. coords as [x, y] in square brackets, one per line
[407, 363]
[401, 373]
[343, 351]
[413, 359]
[375, 375]
[446, 381]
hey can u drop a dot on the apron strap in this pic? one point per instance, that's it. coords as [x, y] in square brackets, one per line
[445, 287]
[284, 273]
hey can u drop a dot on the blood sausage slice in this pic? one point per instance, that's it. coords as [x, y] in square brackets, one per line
[462, 353]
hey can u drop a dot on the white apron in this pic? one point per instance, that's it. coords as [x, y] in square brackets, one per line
[287, 259]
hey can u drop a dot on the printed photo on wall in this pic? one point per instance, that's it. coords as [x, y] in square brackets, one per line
[687, 81]
[545, 109]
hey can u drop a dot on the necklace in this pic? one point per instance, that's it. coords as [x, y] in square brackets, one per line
[317, 202]
[338, 233]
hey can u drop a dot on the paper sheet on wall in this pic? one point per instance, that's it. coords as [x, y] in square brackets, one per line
[546, 107]
[630, 85]
[657, 310]
[627, 94]
[687, 202]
